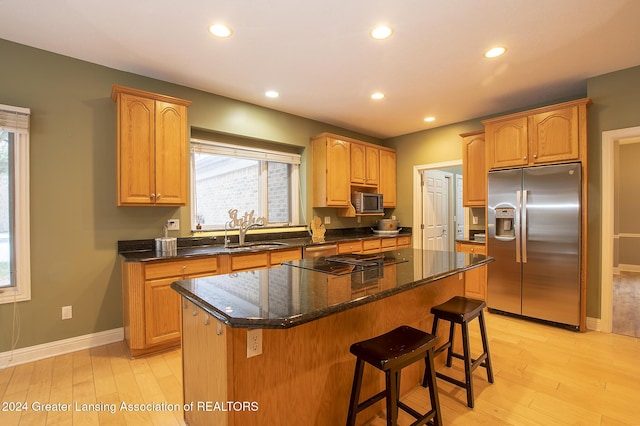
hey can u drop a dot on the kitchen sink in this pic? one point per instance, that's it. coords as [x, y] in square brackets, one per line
[261, 245]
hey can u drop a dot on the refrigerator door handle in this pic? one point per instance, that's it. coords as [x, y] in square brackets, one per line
[517, 226]
[524, 226]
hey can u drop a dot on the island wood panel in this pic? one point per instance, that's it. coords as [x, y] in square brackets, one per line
[304, 374]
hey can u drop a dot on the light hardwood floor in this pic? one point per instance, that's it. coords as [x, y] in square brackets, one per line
[543, 376]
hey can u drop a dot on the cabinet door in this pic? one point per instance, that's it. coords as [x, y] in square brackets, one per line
[388, 177]
[475, 280]
[171, 154]
[474, 171]
[358, 164]
[161, 312]
[554, 136]
[338, 175]
[136, 161]
[507, 143]
[372, 165]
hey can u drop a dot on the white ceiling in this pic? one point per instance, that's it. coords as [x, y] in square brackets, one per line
[319, 56]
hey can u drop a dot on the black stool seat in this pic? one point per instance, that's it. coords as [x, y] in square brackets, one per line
[462, 310]
[391, 352]
[459, 309]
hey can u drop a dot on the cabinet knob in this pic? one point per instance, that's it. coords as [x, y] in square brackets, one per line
[158, 196]
[524, 158]
[206, 319]
[185, 304]
[184, 267]
[535, 155]
[194, 312]
[153, 196]
[472, 249]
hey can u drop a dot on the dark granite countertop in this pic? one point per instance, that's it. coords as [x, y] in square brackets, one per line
[288, 295]
[143, 250]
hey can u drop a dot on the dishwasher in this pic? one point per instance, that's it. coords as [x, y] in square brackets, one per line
[319, 250]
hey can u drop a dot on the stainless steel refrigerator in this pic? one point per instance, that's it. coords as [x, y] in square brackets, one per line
[534, 235]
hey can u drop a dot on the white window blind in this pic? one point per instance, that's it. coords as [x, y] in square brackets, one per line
[14, 119]
[218, 148]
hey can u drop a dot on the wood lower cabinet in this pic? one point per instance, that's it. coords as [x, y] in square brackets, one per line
[151, 309]
[374, 245]
[152, 148]
[475, 280]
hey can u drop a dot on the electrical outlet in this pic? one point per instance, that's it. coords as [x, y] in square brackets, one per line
[67, 312]
[254, 342]
[327, 220]
[173, 225]
[475, 220]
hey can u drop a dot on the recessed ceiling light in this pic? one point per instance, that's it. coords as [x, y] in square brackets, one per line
[429, 119]
[377, 95]
[220, 30]
[381, 32]
[495, 52]
[271, 94]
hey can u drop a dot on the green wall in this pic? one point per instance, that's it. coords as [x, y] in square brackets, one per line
[616, 105]
[75, 223]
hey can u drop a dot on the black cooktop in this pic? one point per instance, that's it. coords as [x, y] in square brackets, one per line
[348, 263]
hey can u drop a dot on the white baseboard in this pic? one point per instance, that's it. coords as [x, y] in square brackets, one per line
[593, 324]
[59, 347]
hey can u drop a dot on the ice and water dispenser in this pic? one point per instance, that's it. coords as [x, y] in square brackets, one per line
[505, 225]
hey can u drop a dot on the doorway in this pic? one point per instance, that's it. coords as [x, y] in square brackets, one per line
[436, 211]
[620, 296]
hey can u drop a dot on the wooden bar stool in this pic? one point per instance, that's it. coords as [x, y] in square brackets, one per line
[391, 352]
[462, 310]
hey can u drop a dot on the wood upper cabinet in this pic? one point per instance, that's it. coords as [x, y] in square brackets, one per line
[387, 185]
[342, 165]
[365, 164]
[553, 134]
[506, 143]
[152, 152]
[331, 172]
[474, 170]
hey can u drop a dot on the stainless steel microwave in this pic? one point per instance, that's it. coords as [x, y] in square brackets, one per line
[366, 202]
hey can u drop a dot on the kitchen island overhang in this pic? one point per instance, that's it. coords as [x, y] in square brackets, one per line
[290, 295]
[308, 321]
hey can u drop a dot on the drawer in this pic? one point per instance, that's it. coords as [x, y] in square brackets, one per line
[403, 242]
[350, 247]
[371, 245]
[240, 262]
[387, 242]
[471, 248]
[180, 268]
[280, 256]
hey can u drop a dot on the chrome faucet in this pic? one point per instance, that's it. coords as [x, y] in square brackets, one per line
[244, 223]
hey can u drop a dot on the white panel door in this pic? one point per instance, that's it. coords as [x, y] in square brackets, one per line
[435, 210]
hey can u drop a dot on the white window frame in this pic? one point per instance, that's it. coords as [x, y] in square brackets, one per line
[263, 155]
[16, 120]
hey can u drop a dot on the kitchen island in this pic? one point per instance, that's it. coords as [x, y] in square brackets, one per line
[271, 346]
